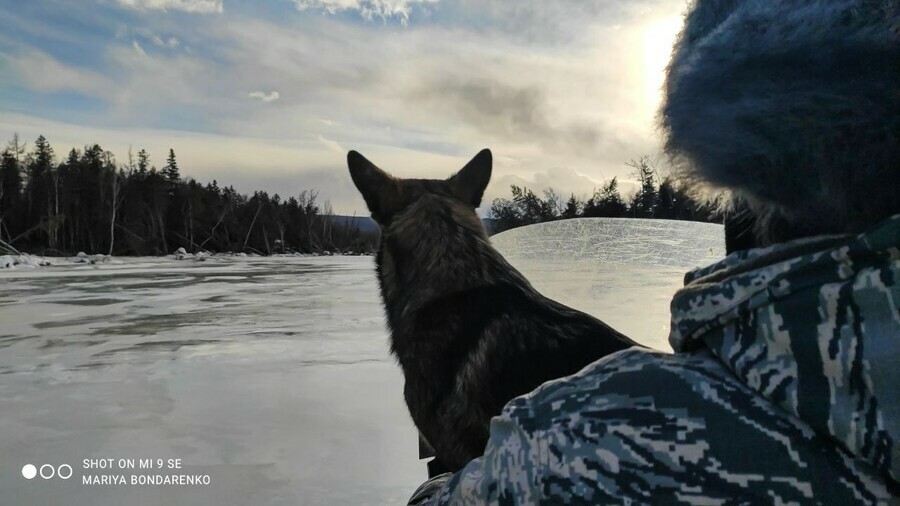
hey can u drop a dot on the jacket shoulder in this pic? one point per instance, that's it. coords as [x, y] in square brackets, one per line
[642, 424]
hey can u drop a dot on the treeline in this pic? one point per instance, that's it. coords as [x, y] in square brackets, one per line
[662, 198]
[90, 202]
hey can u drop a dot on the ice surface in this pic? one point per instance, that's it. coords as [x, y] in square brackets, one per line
[623, 271]
[272, 375]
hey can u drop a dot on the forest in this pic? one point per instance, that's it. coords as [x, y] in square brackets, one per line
[657, 197]
[93, 203]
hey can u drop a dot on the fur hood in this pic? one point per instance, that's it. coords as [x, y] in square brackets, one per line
[793, 105]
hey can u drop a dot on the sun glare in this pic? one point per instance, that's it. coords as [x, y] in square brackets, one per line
[659, 36]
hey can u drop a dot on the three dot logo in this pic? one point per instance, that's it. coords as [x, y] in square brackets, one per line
[47, 471]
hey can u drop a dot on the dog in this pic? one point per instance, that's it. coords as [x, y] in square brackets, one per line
[468, 330]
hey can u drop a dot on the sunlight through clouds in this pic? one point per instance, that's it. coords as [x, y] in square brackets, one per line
[659, 37]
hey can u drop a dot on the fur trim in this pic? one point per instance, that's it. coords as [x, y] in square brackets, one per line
[793, 105]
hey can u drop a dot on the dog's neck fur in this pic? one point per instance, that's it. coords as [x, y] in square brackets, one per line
[426, 255]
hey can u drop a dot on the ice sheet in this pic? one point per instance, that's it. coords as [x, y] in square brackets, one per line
[623, 271]
[270, 375]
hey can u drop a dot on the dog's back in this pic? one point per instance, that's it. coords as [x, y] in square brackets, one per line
[468, 330]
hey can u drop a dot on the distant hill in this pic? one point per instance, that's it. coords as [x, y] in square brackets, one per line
[363, 223]
[367, 224]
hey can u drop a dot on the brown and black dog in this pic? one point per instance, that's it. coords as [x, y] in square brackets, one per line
[468, 330]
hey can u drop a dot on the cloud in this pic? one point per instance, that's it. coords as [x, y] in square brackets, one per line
[196, 6]
[41, 72]
[430, 90]
[227, 158]
[263, 96]
[170, 43]
[505, 110]
[368, 9]
[167, 89]
[332, 145]
[138, 48]
[493, 105]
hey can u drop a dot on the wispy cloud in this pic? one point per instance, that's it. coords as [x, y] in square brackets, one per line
[368, 9]
[158, 40]
[265, 97]
[197, 6]
[332, 145]
[33, 68]
[170, 43]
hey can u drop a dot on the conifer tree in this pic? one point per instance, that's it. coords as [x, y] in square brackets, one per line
[170, 171]
[143, 162]
[606, 202]
[572, 208]
[39, 180]
[10, 193]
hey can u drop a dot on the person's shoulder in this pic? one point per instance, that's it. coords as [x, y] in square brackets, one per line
[641, 424]
[633, 377]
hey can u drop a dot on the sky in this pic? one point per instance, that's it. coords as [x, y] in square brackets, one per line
[270, 95]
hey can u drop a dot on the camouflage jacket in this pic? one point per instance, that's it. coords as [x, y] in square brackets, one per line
[784, 388]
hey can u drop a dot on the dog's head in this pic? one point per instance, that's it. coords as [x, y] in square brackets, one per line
[389, 198]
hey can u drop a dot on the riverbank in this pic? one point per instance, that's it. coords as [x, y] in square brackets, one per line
[29, 261]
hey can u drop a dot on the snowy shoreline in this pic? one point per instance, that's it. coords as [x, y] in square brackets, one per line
[29, 261]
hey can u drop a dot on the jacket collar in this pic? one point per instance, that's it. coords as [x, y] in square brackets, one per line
[812, 325]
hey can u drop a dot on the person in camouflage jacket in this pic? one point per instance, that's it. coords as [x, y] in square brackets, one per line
[782, 388]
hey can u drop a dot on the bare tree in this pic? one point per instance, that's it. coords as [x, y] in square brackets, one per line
[250, 228]
[2, 227]
[554, 200]
[222, 215]
[646, 199]
[116, 194]
[130, 165]
[54, 221]
[17, 148]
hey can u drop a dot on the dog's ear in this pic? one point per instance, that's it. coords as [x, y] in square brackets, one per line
[469, 183]
[378, 188]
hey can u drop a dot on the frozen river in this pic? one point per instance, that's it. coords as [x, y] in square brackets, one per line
[271, 376]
